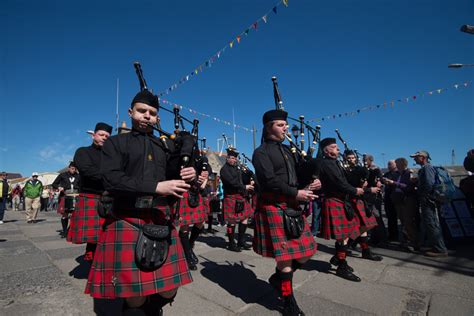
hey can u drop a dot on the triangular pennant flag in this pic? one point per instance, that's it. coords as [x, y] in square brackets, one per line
[274, 10]
[231, 44]
[439, 90]
[285, 2]
[247, 32]
[456, 86]
[264, 18]
[238, 39]
[255, 26]
[392, 104]
[196, 71]
[218, 54]
[465, 84]
[414, 97]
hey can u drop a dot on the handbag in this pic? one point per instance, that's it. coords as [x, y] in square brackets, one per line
[104, 206]
[293, 221]
[152, 247]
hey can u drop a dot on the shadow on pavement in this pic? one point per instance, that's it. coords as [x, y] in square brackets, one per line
[317, 265]
[82, 270]
[240, 282]
[213, 241]
[10, 221]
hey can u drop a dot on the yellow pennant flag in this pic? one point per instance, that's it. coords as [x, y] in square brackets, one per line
[231, 44]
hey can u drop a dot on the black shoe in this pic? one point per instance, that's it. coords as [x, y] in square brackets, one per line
[291, 308]
[193, 257]
[244, 246]
[191, 265]
[134, 312]
[335, 262]
[344, 272]
[234, 247]
[367, 254]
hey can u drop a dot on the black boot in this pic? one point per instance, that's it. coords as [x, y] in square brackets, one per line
[232, 245]
[295, 265]
[155, 304]
[195, 232]
[183, 236]
[64, 223]
[344, 272]
[290, 307]
[242, 244]
[367, 254]
[335, 260]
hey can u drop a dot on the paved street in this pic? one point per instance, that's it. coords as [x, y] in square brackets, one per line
[41, 274]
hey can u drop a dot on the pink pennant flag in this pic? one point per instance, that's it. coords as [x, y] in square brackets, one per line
[430, 93]
[255, 26]
[465, 84]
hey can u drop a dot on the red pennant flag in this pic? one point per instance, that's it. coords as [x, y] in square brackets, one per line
[238, 39]
[255, 26]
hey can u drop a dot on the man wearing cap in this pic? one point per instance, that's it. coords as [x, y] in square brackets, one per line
[133, 169]
[85, 224]
[338, 216]
[236, 208]
[3, 194]
[429, 208]
[279, 196]
[68, 185]
[32, 193]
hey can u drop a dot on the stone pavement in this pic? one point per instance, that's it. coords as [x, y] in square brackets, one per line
[41, 274]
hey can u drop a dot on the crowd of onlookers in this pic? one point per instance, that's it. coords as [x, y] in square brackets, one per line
[33, 197]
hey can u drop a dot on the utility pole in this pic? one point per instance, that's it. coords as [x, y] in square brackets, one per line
[117, 108]
[453, 157]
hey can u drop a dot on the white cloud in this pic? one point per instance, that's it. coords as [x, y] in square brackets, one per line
[57, 152]
[4, 149]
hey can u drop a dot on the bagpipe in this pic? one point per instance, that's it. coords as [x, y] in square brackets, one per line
[182, 146]
[307, 165]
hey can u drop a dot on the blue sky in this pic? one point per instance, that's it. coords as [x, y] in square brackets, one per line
[60, 61]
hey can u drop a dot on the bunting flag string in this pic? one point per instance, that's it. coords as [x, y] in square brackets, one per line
[236, 39]
[390, 103]
[216, 119]
[384, 105]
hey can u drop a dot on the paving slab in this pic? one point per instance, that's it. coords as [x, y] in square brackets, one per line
[429, 281]
[442, 305]
[189, 303]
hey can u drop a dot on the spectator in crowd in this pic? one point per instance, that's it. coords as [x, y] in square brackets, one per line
[32, 192]
[429, 208]
[405, 201]
[16, 197]
[374, 200]
[44, 199]
[467, 184]
[3, 194]
[390, 211]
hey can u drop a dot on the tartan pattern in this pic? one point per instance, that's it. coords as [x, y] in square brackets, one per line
[61, 204]
[361, 218]
[85, 225]
[335, 224]
[205, 203]
[189, 215]
[229, 209]
[270, 239]
[114, 272]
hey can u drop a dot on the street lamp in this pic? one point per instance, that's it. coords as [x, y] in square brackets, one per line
[460, 65]
[296, 132]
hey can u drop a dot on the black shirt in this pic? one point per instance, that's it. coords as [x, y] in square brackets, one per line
[87, 160]
[275, 167]
[231, 178]
[133, 164]
[333, 179]
[357, 175]
[67, 181]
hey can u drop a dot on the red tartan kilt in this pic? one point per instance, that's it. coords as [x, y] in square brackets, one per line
[205, 202]
[269, 234]
[61, 206]
[114, 273]
[85, 225]
[361, 218]
[188, 215]
[229, 209]
[335, 223]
